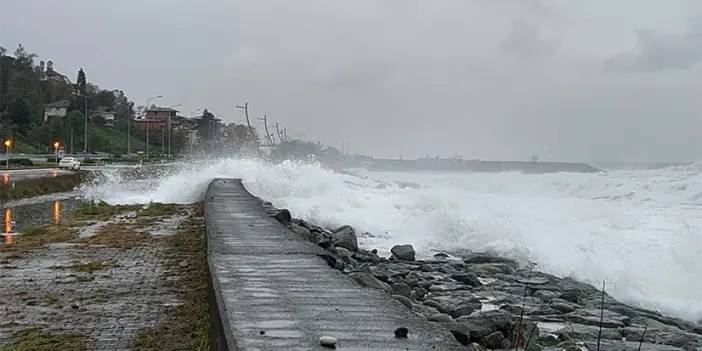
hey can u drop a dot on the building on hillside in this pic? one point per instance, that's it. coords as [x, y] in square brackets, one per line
[156, 118]
[56, 109]
[50, 75]
[105, 112]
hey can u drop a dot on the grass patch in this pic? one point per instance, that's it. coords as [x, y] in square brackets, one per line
[158, 209]
[32, 238]
[100, 210]
[185, 326]
[32, 187]
[118, 236]
[92, 266]
[34, 339]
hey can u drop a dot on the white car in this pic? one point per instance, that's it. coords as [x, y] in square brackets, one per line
[69, 163]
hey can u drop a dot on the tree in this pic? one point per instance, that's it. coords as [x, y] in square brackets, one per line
[240, 139]
[20, 113]
[81, 82]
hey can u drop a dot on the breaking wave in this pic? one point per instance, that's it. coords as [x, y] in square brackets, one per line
[639, 230]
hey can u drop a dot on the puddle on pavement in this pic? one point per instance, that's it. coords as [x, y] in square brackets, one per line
[33, 214]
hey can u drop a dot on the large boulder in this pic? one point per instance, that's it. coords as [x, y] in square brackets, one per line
[345, 237]
[483, 323]
[369, 281]
[403, 252]
[283, 216]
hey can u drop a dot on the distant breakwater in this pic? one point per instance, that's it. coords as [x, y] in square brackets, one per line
[443, 164]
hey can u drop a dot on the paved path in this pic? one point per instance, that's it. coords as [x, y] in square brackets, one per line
[278, 294]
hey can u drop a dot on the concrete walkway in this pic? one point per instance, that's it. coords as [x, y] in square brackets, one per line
[275, 293]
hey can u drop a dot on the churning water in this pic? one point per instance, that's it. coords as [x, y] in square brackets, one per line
[639, 230]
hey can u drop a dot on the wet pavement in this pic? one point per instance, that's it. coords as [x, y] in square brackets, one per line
[277, 293]
[48, 209]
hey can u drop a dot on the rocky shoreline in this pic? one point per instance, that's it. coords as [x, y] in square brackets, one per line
[491, 302]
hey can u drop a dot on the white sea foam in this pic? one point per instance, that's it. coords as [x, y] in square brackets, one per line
[639, 230]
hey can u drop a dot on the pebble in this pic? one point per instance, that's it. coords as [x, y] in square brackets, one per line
[328, 341]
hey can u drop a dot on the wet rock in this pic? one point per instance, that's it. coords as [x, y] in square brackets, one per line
[591, 316]
[481, 258]
[345, 237]
[438, 305]
[401, 289]
[546, 295]
[405, 301]
[403, 252]
[493, 340]
[369, 281]
[548, 340]
[467, 278]
[401, 333]
[328, 341]
[483, 323]
[462, 335]
[183, 264]
[441, 318]
[464, 309]
[412, 279]
[420, 292]
[441, 256]
[283, 216]
[491, 269]
[304, 232]
[563, 306]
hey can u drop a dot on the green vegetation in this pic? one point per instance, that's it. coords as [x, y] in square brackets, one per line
[35, 339]
[100, 210]
[92, 266]
[159, 209]
[32, 238]
[39, 186]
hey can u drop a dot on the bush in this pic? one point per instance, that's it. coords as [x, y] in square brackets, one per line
[51, 159]
[89, 161]
[18, 161]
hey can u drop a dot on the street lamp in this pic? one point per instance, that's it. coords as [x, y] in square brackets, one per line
[56, 148]
[147, 122]
[8, 146]
[169, 128]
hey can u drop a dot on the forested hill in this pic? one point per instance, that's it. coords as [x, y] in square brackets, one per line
[28, 84]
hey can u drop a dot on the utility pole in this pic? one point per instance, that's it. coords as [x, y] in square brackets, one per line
[280, 135]
[246, 112]
[268, 135]
[85, 137]
[285, 134]
[129, 136]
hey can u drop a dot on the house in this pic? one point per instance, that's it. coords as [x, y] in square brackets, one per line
[56, 109]
[159, 116]
[50, 75]
[104, 112]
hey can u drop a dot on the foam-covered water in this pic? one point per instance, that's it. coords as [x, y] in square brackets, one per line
[639, 230]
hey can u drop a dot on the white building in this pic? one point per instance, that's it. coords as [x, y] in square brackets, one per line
[56, 109]
[105, 113]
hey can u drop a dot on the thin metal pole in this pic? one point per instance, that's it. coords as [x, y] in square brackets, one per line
[85, 137]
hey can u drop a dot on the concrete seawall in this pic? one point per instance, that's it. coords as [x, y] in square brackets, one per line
[271, 290]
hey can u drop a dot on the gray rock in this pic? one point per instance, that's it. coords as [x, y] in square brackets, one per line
[464, 309]
[367, 280]
[467, 278]
[345, 237]
[483, 323]
[441, 318]
[405, 301]
[420, 292]
[283, 216]
[438, 305]
[401, 289]
[403, 252]
[480, 258]
[303, 232]
[344, 254]
[328, 341]
[493, 340]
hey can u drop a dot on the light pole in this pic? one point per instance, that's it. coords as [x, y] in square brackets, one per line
[147, 122]
[169, 129]
[56, 147]
[8, 146]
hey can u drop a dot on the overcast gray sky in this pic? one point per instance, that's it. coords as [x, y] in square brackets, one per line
[568, 80]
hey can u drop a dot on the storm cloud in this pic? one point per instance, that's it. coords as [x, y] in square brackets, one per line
[477, 78]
